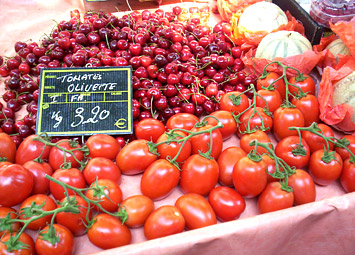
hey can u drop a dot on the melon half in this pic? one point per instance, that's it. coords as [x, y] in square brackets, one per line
[261, 17]
[282, 44]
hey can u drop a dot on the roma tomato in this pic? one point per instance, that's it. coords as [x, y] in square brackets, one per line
[257, 135]
[25, 239]
[171, 149]
[101, 168]
[149, 129]
[304, 189]
[325, 170]
[16, 184]
[227, 203]
[316, 142]
[227, 119]
[270, 98]
[226, 161]
[138, 208]
[135, 157]
[102, 145]
[249, 176]
[199, 175]
[159, 179]
[347, 177]
[274, 198]
[7, 147]
[42, 202]
[107, 193]
[254, 119]
[30, 150]
[201, 142]
[65, 245]
[10, 213]
[349, 142]
[196, 210]
[72, 177]
[108, 232]
[234, 102]
[309, 107]
[182, 121]
[306, 84]
[57, 156]
[285, 118]
[75, 222]
[39, 171]
[273, 79]
[164, 221]
[292, 153]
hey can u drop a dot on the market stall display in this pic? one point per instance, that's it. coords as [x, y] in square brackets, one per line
[227, 149]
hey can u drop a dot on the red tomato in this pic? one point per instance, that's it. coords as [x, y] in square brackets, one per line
[108, 232]
[316, 142]
[65, 245]
[39, 171]
[72, 177]
[16, 184]
[226, 161]
[259, 136]
[273, 198]
[170, 149]
[234, 102]
[269, 79]
[39, 199]
[138, 208]
[324, 173]
[75, 222]
[182, 121]
[252, 119]
[227, 119]
[196, 210]
[101, 168]
[347, 178]
[309, 107]
[30, 150]
[199, 175]
[57, 156]
[227, 203]
[201, 142]
[12, 214]
[159, 179]
[271, 98]
[7, 147]
[107, 193]
[249, 177]
[304, 189]
[135, 157]
[149, 129]
[285, 118]
[287, 149]
[164, 221]
[350, 145]
[25, 239]
[307, 85]
[102, 145]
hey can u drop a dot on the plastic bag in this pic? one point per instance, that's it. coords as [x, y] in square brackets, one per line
[338, 116]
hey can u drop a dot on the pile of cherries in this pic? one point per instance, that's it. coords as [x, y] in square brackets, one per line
[179, 63]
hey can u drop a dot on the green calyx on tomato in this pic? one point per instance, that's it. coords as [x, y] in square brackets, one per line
[235, 99]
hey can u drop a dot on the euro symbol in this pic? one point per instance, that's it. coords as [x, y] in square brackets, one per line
[121, 123]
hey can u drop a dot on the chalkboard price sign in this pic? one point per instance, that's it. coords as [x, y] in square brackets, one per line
[85, 101]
